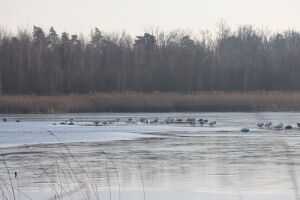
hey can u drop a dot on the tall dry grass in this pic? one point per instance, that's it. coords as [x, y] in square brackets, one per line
[152, 102]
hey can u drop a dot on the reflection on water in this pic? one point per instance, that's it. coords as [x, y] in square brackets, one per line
[173, 165]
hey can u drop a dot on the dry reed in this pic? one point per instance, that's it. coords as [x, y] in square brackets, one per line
[152, 102]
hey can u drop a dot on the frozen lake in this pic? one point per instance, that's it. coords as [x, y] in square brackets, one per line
[170, 161]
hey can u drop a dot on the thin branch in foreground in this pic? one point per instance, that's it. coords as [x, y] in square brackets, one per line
[58, 173]
[116, 172]
[52, 180]
[8, 172]
[17, 178]
[25, 195]
[93, 185]
[3, 194]
[142, 181]
[108, 180]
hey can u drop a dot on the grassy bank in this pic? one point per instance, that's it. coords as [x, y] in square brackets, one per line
[152, 102]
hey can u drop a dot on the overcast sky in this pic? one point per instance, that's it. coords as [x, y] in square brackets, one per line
[135, 16]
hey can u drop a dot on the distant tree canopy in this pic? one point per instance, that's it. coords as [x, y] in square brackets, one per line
[245, 59]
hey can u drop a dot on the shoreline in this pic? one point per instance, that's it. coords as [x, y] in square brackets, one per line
[124, 102]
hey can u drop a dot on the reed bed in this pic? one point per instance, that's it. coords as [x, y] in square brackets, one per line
[152, 102]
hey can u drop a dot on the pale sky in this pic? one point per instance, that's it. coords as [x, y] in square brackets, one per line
[134, 16]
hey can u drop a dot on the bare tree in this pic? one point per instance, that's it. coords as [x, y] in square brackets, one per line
[235, 60]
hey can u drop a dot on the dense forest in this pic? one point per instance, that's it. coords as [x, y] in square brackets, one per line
[244, 59]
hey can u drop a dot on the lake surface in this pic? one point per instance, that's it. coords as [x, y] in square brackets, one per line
[149, 161]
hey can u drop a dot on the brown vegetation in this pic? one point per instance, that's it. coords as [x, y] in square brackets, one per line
[152, 102]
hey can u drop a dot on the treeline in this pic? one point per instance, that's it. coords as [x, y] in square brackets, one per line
[244, 59]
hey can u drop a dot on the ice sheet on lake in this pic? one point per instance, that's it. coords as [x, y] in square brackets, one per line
[34, 129]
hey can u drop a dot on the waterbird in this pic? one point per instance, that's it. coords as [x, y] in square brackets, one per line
[106, 122]
[155, 121]
[245, 130]
[279, 126]
[169, 120]
[205, 121]
[193, 121]
[143, 119]
[179, 120]
[5, 119]
[62, 123]
[96, 122]
[16, 174]
[54, 123]
[260, 125]
[268, 125]
[129, 119]
[298, 124]
[212, 123]
[288, 127]
[201, 121]
[71, 123]
[190, 119]
[18, 120]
